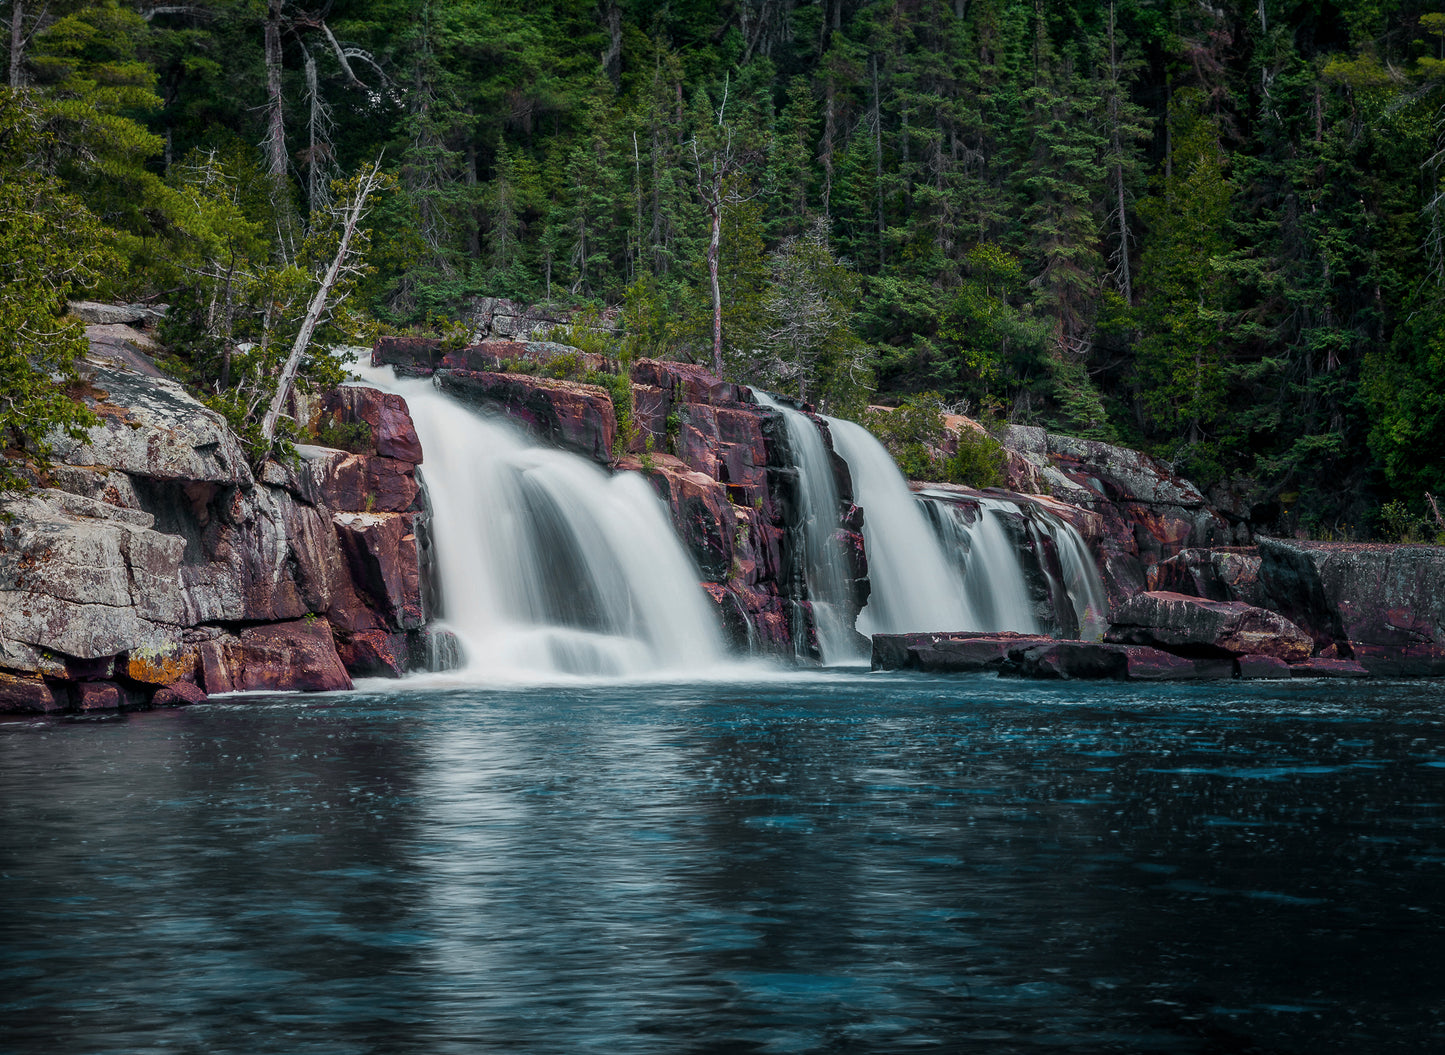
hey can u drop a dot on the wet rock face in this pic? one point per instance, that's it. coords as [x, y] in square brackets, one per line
[567, 414]
[1197, 626]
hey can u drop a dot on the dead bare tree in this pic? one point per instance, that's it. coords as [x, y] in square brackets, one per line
[350, 213]
[717, 164]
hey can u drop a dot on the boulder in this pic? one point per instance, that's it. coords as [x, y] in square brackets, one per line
[122, 346]
[178, 694]
[410, 356]
[27, 694]
[97, 696]
[92, 312]
[949, 652]
[380, 550]
[393, 434]
[373, 654]
[84, 585]
[219, 660]
[1219, 574]
[1069, 659]
[154, 428]
[362, 482]
[687, 383]
[153, 667]
[297, 656]
[1152, 664]
[1254, 668]
[565, 413]
[1092, 660]
[1320, 667]
[1179, 623]
[523, 358]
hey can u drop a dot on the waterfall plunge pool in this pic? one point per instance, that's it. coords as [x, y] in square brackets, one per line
[819, 862]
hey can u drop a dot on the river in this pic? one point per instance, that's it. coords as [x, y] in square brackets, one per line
[824, 862]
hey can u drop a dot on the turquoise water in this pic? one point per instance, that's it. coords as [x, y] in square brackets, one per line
[865, 863]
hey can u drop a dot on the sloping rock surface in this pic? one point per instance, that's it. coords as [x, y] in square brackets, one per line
[1180, 623]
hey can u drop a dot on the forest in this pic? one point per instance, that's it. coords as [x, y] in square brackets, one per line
[1210, 229]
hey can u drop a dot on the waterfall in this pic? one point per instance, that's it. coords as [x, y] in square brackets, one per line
[827, 576]
[547, 564]
[914, 585]
[993, 579]
[1082, 581]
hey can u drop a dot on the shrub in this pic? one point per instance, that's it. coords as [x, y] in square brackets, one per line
[979, 461]
[354, 436]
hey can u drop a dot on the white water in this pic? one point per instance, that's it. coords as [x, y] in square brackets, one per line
[1082, 581]
[547, 565]
[915, 588]
[992, 577]
[827, 579]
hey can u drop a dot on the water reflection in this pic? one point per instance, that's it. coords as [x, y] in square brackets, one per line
[864, 864]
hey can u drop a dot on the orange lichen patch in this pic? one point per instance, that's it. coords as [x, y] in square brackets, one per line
[152, 669]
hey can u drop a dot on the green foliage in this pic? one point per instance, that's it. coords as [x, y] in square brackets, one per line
[50, 246]
[978, 462]
[233, 327]
[353, 436]
[1269, 307]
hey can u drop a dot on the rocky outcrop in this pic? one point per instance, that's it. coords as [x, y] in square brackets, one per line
[1194, 625]
[499, 317]
[1228, 573]
[1381, 605]
[1147, 512]
[385, 415]
[954, 653]
[568, 414]
[150, 561]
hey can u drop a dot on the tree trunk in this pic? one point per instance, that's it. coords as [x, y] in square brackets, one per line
[713, 246]
[878, 158]
[354, 212]
[275, 119]
[829, 132]
[1126, 285]
[17, 44]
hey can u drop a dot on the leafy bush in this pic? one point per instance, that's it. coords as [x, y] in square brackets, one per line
[354, 436]
[979, 461]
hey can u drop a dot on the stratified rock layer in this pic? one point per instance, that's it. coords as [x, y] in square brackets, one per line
[1195, 625]
[156, 559]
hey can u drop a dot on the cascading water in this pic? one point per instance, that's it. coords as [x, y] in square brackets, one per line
[992, 576]
[1082, 581]
[914, 585]
[827, 577]
[547, 564]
